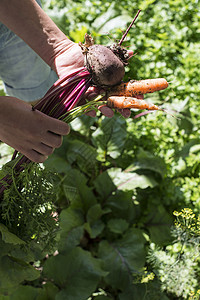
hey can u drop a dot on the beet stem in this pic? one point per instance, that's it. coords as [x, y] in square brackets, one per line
[127, 30]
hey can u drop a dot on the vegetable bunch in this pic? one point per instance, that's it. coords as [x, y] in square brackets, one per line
[104, 68]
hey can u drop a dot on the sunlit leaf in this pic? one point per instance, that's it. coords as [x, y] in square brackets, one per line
[130, 180]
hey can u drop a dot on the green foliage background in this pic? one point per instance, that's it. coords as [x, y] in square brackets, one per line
[119, 181]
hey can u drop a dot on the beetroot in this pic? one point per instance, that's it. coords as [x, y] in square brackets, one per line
[106, 64]
[105, 67]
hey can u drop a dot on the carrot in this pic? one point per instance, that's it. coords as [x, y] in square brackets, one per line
[134, 87]
[129, 102]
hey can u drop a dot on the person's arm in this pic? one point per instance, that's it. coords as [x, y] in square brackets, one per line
[33, 133]
[27, 19]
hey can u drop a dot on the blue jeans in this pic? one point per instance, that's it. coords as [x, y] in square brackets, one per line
[25, 75]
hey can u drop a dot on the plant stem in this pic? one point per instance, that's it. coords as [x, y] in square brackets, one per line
[127, 30]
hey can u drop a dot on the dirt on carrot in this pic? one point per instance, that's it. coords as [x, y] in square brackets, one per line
[122, 102]
[133, 88]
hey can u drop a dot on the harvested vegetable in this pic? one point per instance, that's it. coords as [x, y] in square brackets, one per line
[133, 88]
[129, 102]
[104, 67]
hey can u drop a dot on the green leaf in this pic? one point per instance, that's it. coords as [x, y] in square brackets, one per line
[95, 228]
[78, 34]
[71, 223]
[83, 155]
[104, 180]
[129, 180]
[32, 251]
[57, 163]
[117, 225]
[9, 237]
[14, 271]
[120, 201]
[122, 258]
[71, 192]
[95, 212]
[102, 298]
[110, 137]
[28, 292]
[70, 218]
[95, 225]
[146, 160]
[76, 188]
[122, 206]
[139, 291]
[50, 291]
[5, 248]
[101, 19]
[82, 124]
[158, 223]
[186, 149]
[195, 148]
[70, 239]
[77, 274]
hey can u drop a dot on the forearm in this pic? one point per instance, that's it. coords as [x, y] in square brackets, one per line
[26, 19]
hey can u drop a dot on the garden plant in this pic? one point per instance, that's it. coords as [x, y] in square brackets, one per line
[115, 212]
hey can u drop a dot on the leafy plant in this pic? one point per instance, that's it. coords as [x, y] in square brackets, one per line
[115, 183]
[177, 266]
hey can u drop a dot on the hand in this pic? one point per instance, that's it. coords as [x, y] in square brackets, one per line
[69, 58]
[32, 133]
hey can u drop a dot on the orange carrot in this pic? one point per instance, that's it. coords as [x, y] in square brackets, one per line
[134, 87]
[129, 102]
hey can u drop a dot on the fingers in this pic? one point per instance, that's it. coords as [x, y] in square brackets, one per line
[42, 150]
[59, 127]
[109, 113]
[33, 155]
[51, 139]
[91, 113]
[130, 53]
[106, 111]
[125, 112]
[139, 96]
[36, 156]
